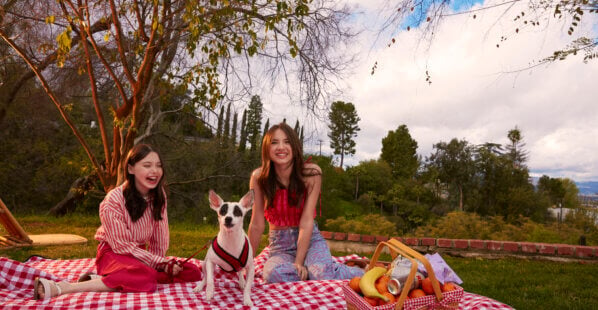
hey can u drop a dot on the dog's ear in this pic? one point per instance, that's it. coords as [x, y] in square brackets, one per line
[215, 200]
[247, 200]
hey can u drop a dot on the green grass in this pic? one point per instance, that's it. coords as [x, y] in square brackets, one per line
[185, 237]
[522, 284]
[528, 284]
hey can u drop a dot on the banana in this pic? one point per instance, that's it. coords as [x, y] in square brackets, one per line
[367, 282]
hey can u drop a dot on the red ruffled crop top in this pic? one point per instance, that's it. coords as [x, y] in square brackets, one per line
[281, 214]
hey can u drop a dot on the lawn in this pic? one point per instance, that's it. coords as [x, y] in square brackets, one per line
[523, 284]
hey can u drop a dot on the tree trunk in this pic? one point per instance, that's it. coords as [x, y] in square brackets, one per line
[356, 186]
[76, 193]
[460, 198]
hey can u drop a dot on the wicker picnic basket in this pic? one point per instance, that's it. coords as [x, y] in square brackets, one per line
[440, 300]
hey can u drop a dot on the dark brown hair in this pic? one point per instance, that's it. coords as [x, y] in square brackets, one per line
[134, 201]
[267, 179]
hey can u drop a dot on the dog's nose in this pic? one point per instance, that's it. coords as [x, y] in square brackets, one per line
[228, 220]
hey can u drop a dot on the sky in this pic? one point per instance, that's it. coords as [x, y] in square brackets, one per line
[478, 92]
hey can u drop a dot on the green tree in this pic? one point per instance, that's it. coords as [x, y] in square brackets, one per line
[489, 174]
[553, 188]
[515, 150]
[233, 134]
[297, 127]
[254, 122]
[570, 199]
[406, 209]
[517, 196]
[135, 45]
[266, 127]
[219, 131]
[243, 134]
[455, 165]
[356, 172]
[343, 128]
[226, 130]
[521, 200]
[38, 166]
[399, 150]
[371, 176]
[336, 190]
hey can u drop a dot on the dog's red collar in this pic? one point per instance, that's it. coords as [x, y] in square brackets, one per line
[235, 263]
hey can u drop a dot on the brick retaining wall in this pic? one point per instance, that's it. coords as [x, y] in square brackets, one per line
[366, 244]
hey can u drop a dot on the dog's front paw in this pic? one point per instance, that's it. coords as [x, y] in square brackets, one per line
[199, 287]
[209, 293]
[247, 301]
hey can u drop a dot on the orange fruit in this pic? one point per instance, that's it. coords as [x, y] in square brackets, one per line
[448, 286]
[391, 297]
[374, 301]
[414, 293]
[382, 284]
[427, 286]
[354, 284]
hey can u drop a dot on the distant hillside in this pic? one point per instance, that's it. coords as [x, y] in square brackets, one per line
[587, 188]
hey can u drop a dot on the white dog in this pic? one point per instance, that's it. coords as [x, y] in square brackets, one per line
[231, 249]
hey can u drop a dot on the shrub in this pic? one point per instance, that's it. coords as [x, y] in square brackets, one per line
[586, 220]
[463, 225]
[332, 207]
[400, 223]
[371, 224]
[455, 225]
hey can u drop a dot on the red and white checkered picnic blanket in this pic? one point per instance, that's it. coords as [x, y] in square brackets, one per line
[16, 290]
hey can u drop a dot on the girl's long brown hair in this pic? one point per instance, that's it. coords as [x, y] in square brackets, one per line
[267, 179]
[134, 201]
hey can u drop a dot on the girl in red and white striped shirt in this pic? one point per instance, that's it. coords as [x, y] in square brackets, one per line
[133, 236]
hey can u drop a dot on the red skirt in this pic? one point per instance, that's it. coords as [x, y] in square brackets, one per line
[127, 274]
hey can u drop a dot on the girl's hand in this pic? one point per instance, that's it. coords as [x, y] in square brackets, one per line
[301, 271]
[171, 267]
[176, 268]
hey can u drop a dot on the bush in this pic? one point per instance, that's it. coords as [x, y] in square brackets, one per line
[464, 225]
[455, 225]
[332, 210]
[400, 223]
[371, 224]
[585, 219]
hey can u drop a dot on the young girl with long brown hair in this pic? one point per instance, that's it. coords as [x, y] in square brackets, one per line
[133, 236]
[286, 194]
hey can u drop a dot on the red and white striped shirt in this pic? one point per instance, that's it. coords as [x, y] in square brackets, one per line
[125, 236]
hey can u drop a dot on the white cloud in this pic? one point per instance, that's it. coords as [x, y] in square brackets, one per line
[472, 95]
[472, 98]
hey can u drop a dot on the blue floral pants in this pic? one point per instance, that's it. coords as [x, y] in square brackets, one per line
[320, 265]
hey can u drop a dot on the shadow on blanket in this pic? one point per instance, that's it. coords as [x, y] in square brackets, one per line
[16, 289]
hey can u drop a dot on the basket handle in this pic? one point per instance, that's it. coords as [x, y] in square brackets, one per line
[396, 247]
